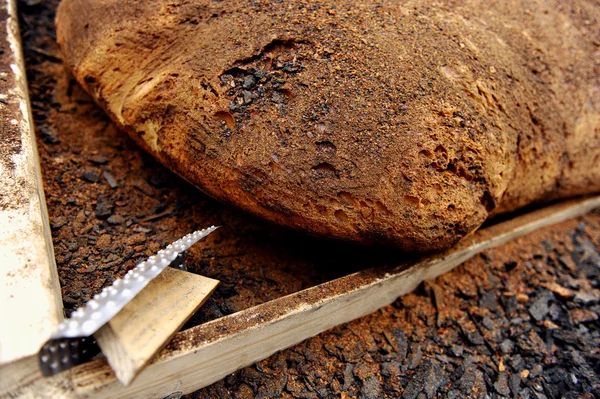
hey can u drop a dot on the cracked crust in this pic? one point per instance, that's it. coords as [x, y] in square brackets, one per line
[396, 122]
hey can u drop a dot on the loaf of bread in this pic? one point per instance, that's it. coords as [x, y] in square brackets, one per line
[396, 122]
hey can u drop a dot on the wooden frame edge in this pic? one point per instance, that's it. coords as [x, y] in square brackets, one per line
[30, 296]
[206, 353]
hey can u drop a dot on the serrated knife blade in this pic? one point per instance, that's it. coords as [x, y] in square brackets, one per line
[87, 319]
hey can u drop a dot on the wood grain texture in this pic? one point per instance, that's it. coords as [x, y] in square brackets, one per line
[30, 299]
[131, 338]
[206, 353]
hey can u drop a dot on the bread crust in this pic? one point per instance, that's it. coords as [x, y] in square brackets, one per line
[403, 123]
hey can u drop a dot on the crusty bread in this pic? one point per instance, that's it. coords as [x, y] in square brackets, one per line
[402, 122]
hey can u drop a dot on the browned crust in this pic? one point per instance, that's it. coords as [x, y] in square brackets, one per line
[397, 123]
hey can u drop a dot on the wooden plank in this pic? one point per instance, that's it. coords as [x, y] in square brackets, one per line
[145, 325]
[30, 299]
[204, 354]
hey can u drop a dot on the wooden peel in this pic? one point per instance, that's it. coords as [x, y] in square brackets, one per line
[131, 338]
[206, 353]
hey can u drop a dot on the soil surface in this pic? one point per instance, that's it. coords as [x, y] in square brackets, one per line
[520, 320]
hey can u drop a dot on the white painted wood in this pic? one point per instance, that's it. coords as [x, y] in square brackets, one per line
[30, 299]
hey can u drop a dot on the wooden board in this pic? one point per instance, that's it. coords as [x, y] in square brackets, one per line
[30, 300]
[131, 338]
[206, 353]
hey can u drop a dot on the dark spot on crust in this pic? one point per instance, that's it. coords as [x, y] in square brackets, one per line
[326, 147]
[488, 201]
[227, 118]
[325, 169]
[341, 215]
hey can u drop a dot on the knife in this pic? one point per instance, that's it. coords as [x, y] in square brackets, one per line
[72, 342]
